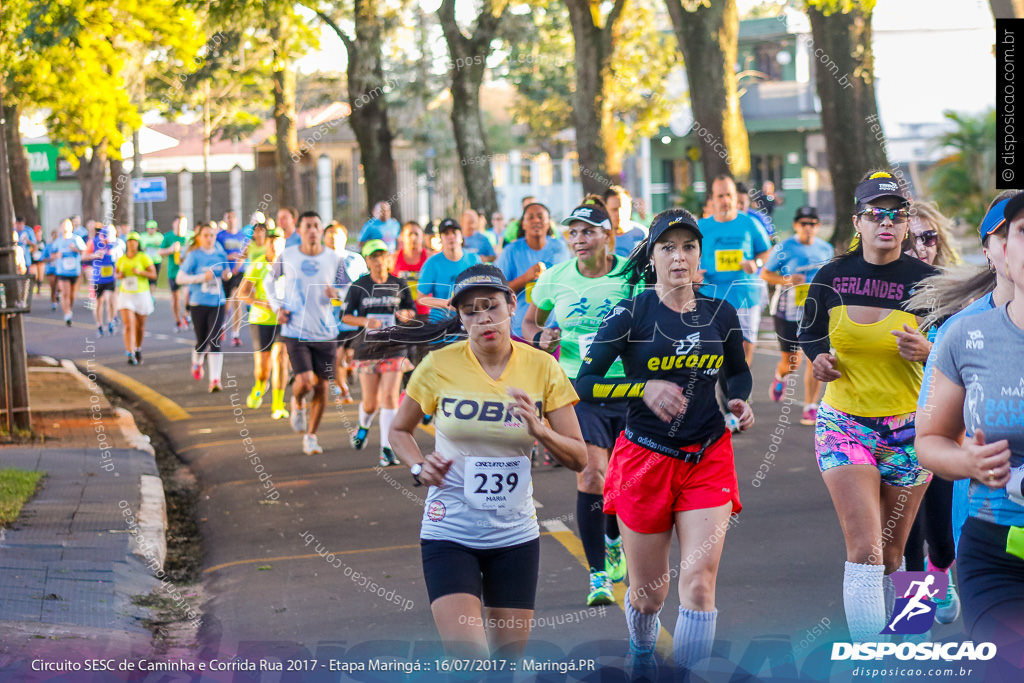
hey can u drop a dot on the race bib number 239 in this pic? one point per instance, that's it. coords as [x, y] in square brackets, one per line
[496, 483]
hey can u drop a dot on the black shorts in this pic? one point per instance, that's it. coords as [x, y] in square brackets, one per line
[231, 284]
[173, 284]
[68, 278]
[501, 577]
[263, 336]
[311, 356]
[346, 338]
[991, 583]
[601, 423]
[104, 287]
[786, 332]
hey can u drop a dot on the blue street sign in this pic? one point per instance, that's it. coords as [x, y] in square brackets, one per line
[149, 189]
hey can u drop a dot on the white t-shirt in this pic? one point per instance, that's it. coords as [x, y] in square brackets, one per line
[304, 297]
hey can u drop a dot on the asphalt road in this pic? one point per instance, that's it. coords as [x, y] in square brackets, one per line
[271, 593]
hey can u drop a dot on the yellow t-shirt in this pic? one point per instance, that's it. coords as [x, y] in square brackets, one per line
[486, 500]
[877, 381]
[130, 281]
[258, 270]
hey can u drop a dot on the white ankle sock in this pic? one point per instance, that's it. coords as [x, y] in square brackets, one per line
[198, 357]
[216, 362]
[387, 416]
[864, 599]
[694, 635]
[365, 419]
[643, 628]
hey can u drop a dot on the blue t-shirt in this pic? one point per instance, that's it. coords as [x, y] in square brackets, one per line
[478, 244]
[294, 240]
[625, 242]
[793, 257]
[517, 258]
[438, 276]
[961, 486]
[103, 267]
[27, 239]
[725, 246]
[973, 354]
[69, 261]
[48, 251]
[233, 243]
[209, 292]
[375, 229]
[764, 221]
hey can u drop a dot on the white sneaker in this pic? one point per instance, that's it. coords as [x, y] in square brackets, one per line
[310, 446]
[299, 420]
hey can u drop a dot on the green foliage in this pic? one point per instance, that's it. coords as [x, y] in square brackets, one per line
[828, 7]
[16, 487]
[963, 182]
[540, 62]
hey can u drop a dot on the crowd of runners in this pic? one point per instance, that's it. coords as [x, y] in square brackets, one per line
[621, 349]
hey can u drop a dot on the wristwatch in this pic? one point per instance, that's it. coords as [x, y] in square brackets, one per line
[415, 470]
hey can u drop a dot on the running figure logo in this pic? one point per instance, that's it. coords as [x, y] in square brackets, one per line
[914, 612]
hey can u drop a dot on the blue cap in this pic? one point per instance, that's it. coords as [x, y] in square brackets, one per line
[994, 218]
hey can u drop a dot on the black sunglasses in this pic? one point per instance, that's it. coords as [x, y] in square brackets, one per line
[928, 238]
[877, 215]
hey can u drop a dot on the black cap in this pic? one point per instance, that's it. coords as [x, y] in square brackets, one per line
[667, 220]
[806, 212]
[1014, 206]
[480, 275]
[879, 185]
[590, 215]
[448, 224]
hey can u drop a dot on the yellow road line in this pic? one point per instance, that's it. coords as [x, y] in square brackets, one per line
[168, 408]
[561, 533]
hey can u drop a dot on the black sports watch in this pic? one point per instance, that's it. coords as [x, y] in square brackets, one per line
[415, 470]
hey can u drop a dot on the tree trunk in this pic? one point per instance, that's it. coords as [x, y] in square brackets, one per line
[849, 111]
[599, 155]
[369, 118]
[708, 38]
[469, 57]
[120, 193]
[286, 151]
[21, 180]
[91, 174]
[1007, 9]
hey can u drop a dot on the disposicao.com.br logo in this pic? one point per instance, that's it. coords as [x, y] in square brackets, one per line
[913, 614]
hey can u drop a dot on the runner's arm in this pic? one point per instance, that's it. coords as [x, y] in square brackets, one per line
[611, 341]
[738, 380]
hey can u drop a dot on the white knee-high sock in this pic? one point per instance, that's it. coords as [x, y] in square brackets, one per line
[198, 357]
[890, 589]
[864, 599]
[387, 416]
[365, 418]
[643, 628]
[216, 362]
[694, 635]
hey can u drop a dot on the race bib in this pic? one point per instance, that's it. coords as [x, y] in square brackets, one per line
[210, 286]
[386, 319]
[106, 271]
[130, 284]
[728, 260]
[69, 263]
[497, 483]
[800, 294]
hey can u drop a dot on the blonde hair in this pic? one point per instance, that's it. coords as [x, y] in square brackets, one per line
[946, 254]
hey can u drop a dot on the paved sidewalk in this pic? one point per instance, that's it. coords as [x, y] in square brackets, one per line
[70, 564]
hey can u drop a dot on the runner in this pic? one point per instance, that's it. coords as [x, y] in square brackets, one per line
[791, 267]
[135, 271]
[286, 223]
[233, 241]
[381, 226]
[51, 269]
[151, 242]
[481, 552]
[67, 253]
[474, 239]
[410, 258]
[865, 425]
[759, 215]
[377, 301]
[620, 210]
[204, 269]
[672, 467]
[976, 389]
[308, 327]
[580, 292]
[104, 251]
[525, 259]
[172, 246]
[269, 361]
[440, 271]
[352, 267]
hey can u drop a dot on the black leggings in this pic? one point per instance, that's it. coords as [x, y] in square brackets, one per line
[934, 523]
[207, 321]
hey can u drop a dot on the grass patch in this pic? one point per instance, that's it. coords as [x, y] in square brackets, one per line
[16, 487]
